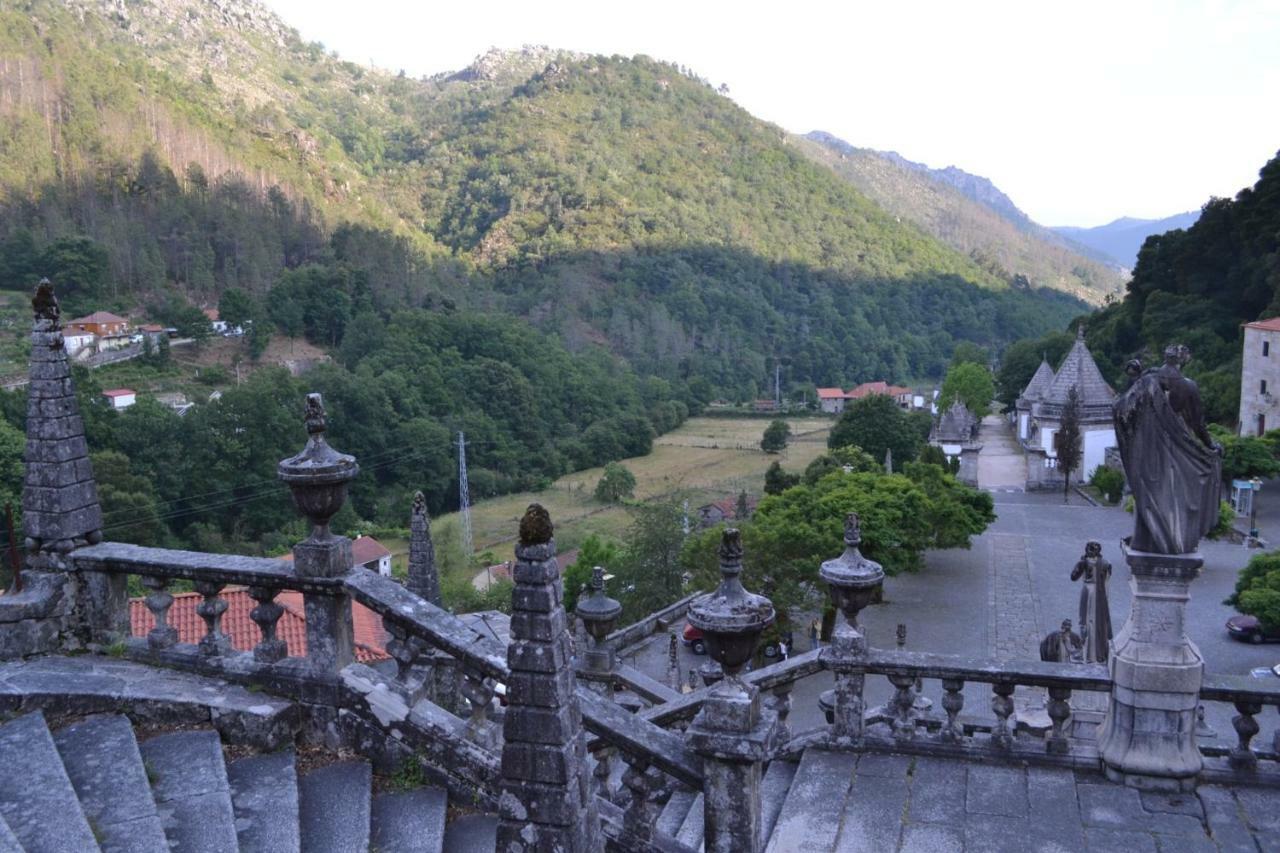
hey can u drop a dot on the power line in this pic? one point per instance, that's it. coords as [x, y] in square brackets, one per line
[464, 496]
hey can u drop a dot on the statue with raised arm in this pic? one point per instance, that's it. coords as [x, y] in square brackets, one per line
[1095, 613]
[1173, 465]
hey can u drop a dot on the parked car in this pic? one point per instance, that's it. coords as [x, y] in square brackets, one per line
[1266, 671]
[692, 638]
[1249, 629]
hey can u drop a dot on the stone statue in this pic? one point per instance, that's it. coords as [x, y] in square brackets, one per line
[1173, 466]
[1095, 614]
[1061, 646]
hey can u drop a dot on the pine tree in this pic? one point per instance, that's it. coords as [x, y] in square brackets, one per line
[1069, 441]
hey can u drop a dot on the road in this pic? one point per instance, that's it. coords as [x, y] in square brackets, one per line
[1012, 587]
[1001, 463]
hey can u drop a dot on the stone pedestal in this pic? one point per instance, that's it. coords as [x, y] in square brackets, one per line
[734, 735]
[1147, 739]
[846, 657]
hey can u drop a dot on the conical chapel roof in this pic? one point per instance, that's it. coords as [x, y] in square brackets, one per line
[1039, 383]
[1080, 371]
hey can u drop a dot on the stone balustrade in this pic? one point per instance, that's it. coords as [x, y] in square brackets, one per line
[1250, 698]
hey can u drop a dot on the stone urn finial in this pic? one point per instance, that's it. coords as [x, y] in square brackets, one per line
[318, 476]
[731, 619]
[851, 578]
[599, 612]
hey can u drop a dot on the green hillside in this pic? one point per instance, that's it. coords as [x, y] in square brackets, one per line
[1005, 246]
[1197, 286]
[616, 202]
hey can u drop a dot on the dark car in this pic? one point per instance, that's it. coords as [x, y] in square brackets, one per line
[693, 639]
[1248, 629]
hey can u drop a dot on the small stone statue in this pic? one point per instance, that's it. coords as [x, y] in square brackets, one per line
[1095, 613]
[44, 304]
[1173, 465]
[1062, 646]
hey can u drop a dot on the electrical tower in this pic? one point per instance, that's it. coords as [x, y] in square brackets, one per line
[464, 496]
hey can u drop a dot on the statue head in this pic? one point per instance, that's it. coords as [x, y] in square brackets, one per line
[852, 529]
[1171, 355]
[1133, 367]
[1093, 550]
[1066, 626]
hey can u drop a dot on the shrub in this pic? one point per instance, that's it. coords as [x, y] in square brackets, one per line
[1110, 482]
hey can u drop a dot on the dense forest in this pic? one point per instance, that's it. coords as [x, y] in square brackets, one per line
[1198, 286]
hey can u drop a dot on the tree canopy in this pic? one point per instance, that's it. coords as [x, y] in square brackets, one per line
[875, 425]
[969, 383]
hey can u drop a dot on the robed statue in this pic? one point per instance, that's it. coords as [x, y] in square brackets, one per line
[1173, 465]
[1062, 646]
[1095, 613]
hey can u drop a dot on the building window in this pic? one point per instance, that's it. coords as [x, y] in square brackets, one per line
[1262, 386]
[1262, 424]
[1266, 349]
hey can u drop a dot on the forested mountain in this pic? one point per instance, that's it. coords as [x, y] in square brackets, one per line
[970, 214]
[1121, 239]
[561, 255]
[1197, 286]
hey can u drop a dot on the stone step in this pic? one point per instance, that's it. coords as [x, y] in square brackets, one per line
[189, 783]
[474, 833]
[810, 817]
[105, 766]
[774, 786]
[264, 797]
[675, 811]
[409, 822]
[334, 808]
[8, 841]
[690, 834]
[37, 799]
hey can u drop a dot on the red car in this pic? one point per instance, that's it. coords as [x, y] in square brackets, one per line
[693, 639]
[1249, 629]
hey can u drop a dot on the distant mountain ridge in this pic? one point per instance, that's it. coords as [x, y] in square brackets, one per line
[1122, 238]
[969, 213]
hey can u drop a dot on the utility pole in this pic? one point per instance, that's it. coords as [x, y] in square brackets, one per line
[777, 382]
[464, 496]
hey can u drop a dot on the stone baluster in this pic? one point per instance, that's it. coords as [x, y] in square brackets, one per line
[214, 642]
[479, 693]
[1002, 705]
[1059, 710]
[597, 664]
[643, 783]
[158, 601]
[266, 615]
[1242, 757]
[406, 650]
[781, 706]
[852, 582]
[732, 733]
[1275, 739]
[953, 704]
[318, 478]
[903, 700]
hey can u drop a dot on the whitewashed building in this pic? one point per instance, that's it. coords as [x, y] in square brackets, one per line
[1260, 377]
[1044, 404]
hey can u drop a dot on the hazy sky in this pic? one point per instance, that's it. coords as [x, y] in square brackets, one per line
[1081, 112]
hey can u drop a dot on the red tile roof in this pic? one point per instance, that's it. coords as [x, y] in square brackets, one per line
[831, 394]
[98, 317]
[211, 313]
[1272, 325]
[878, 387]
[119, 392]
[366, 549]
[370, 636]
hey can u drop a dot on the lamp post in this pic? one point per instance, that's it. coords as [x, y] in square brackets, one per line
[1256, 483]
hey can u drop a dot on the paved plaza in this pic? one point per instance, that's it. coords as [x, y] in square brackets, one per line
[999, 597]
[880, 803]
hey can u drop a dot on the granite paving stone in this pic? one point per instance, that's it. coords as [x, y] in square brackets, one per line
[810, 818]
[872, 817]
[777, 779]
[997, 834]
[1106, 805]
[36, 797]
[877, 764]
[189, 783]
[264, 797]
[473, 833]
[938, 791]
[409, 821]
[334, 807]
[1187, 804]
[1055, 810]
[997, 791]
[1099, 839]
[1185, 844]
[1261, 807]
[8, 842]
[933, 838]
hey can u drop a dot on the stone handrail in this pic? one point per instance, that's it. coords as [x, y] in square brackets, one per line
[1089, 677]
[647, 626]
[122, 558]
[610, 722]
[1249, 696]
[1240, 688]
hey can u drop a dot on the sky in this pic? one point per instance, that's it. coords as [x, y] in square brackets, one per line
[1081, 112]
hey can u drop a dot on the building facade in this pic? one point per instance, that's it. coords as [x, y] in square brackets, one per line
[1260, 377]
[1043, 404]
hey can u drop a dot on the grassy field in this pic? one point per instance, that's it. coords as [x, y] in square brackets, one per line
[705, 459]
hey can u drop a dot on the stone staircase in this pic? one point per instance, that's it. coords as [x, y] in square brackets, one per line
[91, 786]
[681, 817]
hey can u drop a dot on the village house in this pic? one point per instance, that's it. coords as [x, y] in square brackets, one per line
[111, 331]
[366, 552]
[77, 343]
[725, 509]
[834, 400]
[120, 398]
[1260, 378]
